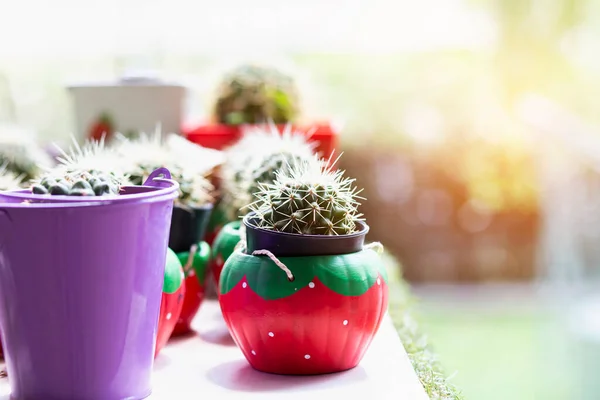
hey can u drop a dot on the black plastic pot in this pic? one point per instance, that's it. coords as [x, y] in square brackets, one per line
[283, 244]
[188, 227]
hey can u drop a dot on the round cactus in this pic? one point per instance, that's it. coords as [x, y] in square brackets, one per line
[255, 159]
[251, 94]
[309, 198]
[88, 170]
[20, 153]
[188, 163]
[8, 180]
[82, 183]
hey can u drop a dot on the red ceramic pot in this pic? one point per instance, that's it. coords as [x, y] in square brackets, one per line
[220, 136]
[171, 302]
[320, 320]
[195, 272]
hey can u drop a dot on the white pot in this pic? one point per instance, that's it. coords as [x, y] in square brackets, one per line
[134, 104]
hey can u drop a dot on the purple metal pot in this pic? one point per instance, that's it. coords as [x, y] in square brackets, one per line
[80, 290]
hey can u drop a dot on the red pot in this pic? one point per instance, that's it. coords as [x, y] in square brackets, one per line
[320, 321]
[195, 273]
[171, 301]
[219, 136]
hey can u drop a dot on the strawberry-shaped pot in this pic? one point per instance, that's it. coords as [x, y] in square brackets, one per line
[223, 246]
[195, 265]
[172, 300]
[318, 318]
[102, 127]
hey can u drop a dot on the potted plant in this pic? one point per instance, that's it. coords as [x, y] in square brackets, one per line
[191, 166]
[252, 94]
[304, 296]
[20, 153]
[253, 160]
[96, 246]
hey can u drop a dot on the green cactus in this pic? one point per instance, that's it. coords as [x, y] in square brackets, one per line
[309, 199]
[88, 170]
[251, 94]
[189, 164]
[255, 159]
[20, 153]
[80, 183]
[8, 179]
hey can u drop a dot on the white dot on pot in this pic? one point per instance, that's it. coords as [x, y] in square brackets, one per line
[307, 356]
[169, 316]
[253, 353]
[378, 281]
[345, 322]
[311, 285]
[244, 285]
[271, 334]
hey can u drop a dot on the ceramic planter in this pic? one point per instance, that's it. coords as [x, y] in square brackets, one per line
[171, 301]
[195, 273]
[85, 328]
[220, 136]
[300, 312]
[321, 322]
[223, 247]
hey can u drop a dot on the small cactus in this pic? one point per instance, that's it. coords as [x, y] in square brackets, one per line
[81, 183]
[255, 159]
[89, 170]
[8, 179]
[20, 153]
[253, 94]
[308, 199]
[188, 163]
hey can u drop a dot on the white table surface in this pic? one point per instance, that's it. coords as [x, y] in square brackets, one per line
[209, 365]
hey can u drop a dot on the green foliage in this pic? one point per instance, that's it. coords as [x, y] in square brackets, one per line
[310, 198]
[251, 94]
[424, 360]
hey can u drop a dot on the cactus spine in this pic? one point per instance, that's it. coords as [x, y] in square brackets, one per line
[88, 170]
[8, 179]
[188, 163]
[309, 199]
[255, 159]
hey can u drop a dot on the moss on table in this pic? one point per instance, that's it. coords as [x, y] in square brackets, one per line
[424, 360]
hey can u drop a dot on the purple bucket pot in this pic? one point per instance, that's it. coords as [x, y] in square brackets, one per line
[80, 290]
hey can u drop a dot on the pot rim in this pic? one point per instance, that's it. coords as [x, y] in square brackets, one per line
[59, 201]
[362, 224]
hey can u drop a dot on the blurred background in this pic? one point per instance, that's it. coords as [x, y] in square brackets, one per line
[473, 126]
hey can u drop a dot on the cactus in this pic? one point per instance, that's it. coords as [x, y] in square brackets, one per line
[255, 158]
[20, 153]
[251, 94]
[8, 179]
[188, 163]
[88, 170]
[309, 199]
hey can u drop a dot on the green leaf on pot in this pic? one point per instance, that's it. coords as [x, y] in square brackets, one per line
[173, 276]
[199, 261]
[346, 274]
[226, 240]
